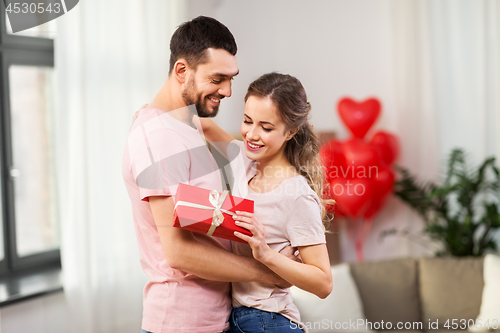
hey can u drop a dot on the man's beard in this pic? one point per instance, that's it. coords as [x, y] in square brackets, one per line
[191, 96]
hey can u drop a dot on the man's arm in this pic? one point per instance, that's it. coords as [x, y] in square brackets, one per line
[186, 253]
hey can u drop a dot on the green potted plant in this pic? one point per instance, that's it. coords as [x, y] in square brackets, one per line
[463, 212]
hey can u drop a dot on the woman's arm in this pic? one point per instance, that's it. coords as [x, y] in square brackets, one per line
[313, 275]
[213, 133]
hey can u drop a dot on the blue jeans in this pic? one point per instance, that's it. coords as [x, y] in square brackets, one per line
[250, 320]
[144, 331]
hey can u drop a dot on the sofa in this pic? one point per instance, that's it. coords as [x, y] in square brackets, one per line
[410, 294]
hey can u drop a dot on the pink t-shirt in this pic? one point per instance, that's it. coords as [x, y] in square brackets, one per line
[291, 215]
[162, 152]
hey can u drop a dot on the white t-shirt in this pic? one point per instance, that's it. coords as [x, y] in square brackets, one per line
[291, 215]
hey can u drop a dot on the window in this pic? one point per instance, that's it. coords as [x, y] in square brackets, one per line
[29, 236]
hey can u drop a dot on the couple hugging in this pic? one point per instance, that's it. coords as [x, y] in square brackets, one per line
[200, 283]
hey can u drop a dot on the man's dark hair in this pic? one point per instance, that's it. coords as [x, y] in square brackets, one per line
[192, 39]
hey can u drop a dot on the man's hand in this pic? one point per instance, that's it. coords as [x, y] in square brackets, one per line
[291, 253]
[282, 283]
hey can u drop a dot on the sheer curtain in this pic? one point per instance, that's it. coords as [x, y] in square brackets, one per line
[111, 57]
[466, 61]
[447, 67]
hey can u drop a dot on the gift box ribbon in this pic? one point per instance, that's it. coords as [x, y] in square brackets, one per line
[216, 200]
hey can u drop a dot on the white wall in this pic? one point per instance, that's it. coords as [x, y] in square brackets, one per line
[335, 48]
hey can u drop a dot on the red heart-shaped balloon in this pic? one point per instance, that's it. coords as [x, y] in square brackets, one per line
[388, 146]
[383, 187]
[361, 157]
[332, 158]
[359, 117]
[353, 196]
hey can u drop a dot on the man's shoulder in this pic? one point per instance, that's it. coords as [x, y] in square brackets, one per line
[159, 126]
[154, 121]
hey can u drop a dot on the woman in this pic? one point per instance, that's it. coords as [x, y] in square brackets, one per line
[284, 179]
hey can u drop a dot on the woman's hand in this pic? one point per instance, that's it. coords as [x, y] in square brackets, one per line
[257, 242]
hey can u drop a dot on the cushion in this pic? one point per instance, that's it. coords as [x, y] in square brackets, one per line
[489, 313]
[389, 291]
[450, 288]
[341, 308]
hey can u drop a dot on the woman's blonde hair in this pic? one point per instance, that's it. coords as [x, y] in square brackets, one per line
[302, 150]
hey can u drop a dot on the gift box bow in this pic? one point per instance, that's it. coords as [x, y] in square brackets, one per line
[217, 200]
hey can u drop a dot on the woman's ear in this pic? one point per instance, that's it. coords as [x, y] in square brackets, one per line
[290, 134]
[180, 70]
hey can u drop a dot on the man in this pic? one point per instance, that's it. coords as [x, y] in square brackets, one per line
[189, 289]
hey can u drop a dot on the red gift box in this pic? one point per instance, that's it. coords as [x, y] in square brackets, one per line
[209, 212]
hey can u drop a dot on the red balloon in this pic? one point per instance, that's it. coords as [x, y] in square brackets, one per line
[383, 187]
[333, 159]
[387, 144]
[353, 196]
[359, 117]
[362, 159]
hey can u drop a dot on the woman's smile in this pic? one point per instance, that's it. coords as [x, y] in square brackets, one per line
[254, 147]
